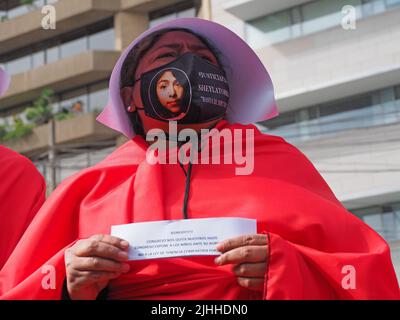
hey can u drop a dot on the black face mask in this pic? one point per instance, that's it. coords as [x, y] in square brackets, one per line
[187, 90]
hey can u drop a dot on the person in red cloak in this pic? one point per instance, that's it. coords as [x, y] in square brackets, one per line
[307, 246]
[22, 193]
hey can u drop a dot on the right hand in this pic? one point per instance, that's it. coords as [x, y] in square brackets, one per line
[91, 263]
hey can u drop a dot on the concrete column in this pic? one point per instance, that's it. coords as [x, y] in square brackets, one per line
[128, 26]
[205, 11]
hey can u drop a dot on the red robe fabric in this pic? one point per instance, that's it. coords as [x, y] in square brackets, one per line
[311, 235]
[22, 193]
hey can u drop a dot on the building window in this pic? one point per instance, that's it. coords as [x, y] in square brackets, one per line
[18, 65]
[98, 96]
[76, 101]
[366, 110]
[308, 18]
[50, 55]
[103, 40]
[275, 26]
[90, 98]
[10, 9]
[390, 3]
[73, 47]
[69, 163]
[183, 9]
[397, 91]
[96, 37]
[37, 59]
[384, 219]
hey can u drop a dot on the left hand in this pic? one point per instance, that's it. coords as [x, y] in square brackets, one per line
[249, 255]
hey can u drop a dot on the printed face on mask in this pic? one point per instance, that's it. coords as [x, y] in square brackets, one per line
[187, 90]
[171, 91]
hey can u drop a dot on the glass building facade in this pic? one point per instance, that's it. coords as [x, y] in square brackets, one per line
[308, 18]
[183, 10]
[375, 108]
[384, 219]
[96, 37]
[91, 97]
[100, 36]
[10, 9]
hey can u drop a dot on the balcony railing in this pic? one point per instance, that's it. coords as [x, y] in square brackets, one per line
[294, 22]
[79, 129]
[26, 29]
[376, 115]
[10, 9]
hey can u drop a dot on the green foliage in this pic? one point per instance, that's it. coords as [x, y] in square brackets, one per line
[18, 130]
[38, 114]
[96, 110]
[3, 131]
[41, 111]
[60, 116]
[26, 2]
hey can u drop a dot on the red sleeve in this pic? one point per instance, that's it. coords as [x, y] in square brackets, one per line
[61, 220]
[321, 250]
[22, 193]
[299, 272]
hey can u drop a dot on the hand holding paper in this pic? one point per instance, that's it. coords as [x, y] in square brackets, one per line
[249, 255]
[178, 238]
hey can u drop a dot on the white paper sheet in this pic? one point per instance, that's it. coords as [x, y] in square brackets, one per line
[178, 238]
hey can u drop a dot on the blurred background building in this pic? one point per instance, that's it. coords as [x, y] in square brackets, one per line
[338, 89]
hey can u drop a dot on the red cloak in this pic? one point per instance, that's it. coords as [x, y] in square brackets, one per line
[311, 235]
[22, 193]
